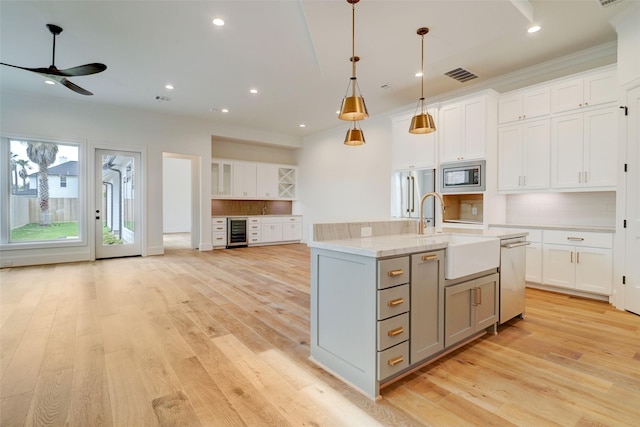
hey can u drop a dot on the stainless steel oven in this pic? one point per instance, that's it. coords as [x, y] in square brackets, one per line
[236, 232]
[462, 177]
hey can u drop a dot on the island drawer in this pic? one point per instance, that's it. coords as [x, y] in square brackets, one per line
[393, 301]
[393, 331]
[393, 360]
[393, 272]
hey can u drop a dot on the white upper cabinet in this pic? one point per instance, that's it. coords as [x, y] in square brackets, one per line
[464, 127]
[221, 176]
[524, 105]
[412, 150]
[587, 91]
[524, 156]
[267, 181]
[252, 180]
[583, 149]
[244, 180]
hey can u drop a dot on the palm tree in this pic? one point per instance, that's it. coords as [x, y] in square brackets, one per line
[43, 154]
[24, 165]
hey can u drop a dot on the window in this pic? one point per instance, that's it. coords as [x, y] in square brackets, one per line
[44, 192]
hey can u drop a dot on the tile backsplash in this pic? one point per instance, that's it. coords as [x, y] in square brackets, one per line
[570, 209]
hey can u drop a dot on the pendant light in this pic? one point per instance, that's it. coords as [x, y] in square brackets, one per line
[354, 136]
[422, 122]
[353, 107]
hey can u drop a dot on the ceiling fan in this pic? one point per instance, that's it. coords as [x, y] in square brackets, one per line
[60, 76]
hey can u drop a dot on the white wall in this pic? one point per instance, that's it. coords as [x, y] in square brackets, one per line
[590, 209]
[176, 195]
[342, 183]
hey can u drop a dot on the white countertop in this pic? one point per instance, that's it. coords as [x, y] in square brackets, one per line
[402, 244]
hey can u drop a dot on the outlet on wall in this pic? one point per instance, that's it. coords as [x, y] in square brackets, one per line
[365, 231]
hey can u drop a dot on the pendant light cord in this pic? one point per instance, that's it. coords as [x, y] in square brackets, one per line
[353, 46]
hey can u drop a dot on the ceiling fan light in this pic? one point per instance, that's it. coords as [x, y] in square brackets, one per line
[422, 124]
[353, 108]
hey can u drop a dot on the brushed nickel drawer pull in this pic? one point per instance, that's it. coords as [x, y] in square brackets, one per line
[396, 331]
[395, 360]
[394, 302]
[394, 273]
[429, 257]
[575, 239]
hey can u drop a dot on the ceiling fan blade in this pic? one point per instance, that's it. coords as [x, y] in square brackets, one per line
[35, 70]
[74, 87]
[82, 70]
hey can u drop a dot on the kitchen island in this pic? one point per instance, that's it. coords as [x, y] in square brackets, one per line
[382, 306]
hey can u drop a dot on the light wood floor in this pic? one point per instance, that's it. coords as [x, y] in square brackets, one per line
[222, 338]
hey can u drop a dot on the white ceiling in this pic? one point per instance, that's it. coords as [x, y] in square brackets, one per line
[296, 52]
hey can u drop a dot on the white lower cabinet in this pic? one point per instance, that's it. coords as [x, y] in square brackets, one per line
[274, 229]
[578, 260]
[291, 228]
[219, 231]
[254, 230]
[271, 229]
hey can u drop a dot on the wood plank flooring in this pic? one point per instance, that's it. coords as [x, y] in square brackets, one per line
[222, 339]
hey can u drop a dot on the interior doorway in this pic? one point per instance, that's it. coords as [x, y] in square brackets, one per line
[180, 201]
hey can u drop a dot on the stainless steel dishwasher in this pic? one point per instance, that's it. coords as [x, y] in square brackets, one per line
[513, 260]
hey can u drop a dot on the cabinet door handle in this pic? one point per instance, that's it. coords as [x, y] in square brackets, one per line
[395, 360]
[520, 181]
[396, 331]
[585, 177]
[394, 302]
[524, 181]
[394, 273]
[571, 257]
[575, 239]
[579, 177]
[577, 257]
[429, 257]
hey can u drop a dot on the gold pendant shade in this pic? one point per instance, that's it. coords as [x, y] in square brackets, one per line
[354, 136]
[422, 122]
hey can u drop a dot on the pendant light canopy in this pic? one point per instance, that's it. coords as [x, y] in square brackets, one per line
[422, 121]
[354, 136]
[353, 107]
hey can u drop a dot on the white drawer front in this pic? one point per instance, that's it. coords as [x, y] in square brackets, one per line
[219, 239]
[578, 238]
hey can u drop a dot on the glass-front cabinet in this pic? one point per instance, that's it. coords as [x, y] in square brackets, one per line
[221, 177]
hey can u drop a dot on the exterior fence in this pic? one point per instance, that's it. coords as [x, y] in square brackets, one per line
[26, 210]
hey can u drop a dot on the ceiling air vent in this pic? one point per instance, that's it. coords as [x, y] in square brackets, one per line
[607, 3]
[461, 75]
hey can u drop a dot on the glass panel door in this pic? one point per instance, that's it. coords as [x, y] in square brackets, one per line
[117, 205]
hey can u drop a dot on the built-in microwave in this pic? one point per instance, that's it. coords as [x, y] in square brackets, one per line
[462, 177]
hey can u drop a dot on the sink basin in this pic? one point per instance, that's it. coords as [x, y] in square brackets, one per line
[467, 254]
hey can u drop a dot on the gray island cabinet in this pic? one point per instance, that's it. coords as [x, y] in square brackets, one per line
[374, 319]
[371, 319]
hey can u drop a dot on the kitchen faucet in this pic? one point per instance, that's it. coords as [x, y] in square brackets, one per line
[421, 224]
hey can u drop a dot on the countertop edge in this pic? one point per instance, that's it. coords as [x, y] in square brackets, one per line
[586, 228]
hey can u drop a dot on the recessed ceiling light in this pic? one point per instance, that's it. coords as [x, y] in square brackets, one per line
[302, 125]
[225, 110]
[169, 86]
[533, 29]
[218, 22]
[253, 90]
[418, 74]
[50, 82]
